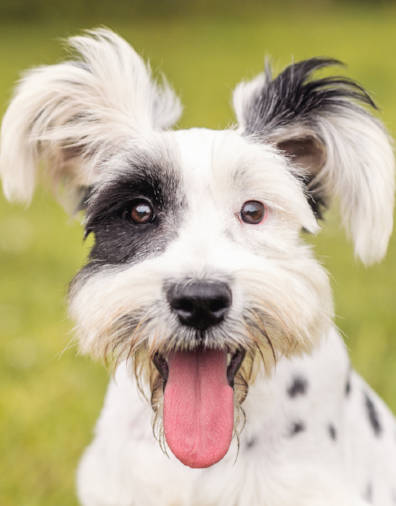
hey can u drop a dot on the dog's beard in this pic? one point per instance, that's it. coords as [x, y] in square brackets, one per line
[281, 312]
[195, 381]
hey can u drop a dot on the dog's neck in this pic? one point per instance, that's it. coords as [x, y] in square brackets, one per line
[295, 381]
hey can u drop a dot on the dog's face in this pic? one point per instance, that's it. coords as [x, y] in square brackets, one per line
[198, 273]
[197, 248]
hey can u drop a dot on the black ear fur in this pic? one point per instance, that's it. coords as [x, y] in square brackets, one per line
[293, 97]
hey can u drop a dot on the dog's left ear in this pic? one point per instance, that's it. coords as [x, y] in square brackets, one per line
[337, 147]
[71, 117]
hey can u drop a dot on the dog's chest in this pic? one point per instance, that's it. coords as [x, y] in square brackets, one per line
[311, 420]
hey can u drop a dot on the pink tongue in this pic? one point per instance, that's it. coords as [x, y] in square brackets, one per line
[198, 407]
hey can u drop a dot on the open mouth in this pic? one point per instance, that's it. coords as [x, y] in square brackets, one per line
[198, 410]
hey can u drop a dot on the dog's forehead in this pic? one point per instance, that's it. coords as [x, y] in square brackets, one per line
[197, 146]
[204, 151]
[225, 166]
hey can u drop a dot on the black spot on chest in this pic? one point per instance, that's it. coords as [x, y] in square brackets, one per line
[296, 428]
[372, 415]
[332, 432]
[348, 387]
[298, 387]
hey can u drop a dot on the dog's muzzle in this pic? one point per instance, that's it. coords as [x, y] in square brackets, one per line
[198, 409]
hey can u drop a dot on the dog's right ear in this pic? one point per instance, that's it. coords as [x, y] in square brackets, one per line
[334, 145]
[71, 116]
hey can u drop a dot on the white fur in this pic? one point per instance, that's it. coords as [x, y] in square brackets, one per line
[360, 173]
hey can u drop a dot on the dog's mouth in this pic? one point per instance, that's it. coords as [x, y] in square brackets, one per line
[198, 412]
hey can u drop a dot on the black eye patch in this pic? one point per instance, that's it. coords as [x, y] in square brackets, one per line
[112, 216]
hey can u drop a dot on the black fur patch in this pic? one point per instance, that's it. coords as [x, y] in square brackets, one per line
[332, 432]
[118, 239]
[298, 387]
[372, 414]
[294, 98]
[348, 387]
[296, 428]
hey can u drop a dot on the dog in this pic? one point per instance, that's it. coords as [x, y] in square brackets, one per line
[232, 385]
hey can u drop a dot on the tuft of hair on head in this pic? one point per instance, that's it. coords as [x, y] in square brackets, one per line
[72, 116]
[332, 142]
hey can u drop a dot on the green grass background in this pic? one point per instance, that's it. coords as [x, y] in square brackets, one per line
[49, 395]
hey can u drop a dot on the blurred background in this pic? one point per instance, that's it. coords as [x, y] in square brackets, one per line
[50, 396]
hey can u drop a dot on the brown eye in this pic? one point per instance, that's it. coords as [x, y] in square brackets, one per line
[252, 212]
[141, 212]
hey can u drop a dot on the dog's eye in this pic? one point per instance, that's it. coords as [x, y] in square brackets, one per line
[252, 212]
[141, 211]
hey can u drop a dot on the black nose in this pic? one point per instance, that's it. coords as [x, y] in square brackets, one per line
[200, 304]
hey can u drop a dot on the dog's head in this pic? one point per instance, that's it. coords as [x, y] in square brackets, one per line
[198, 273]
